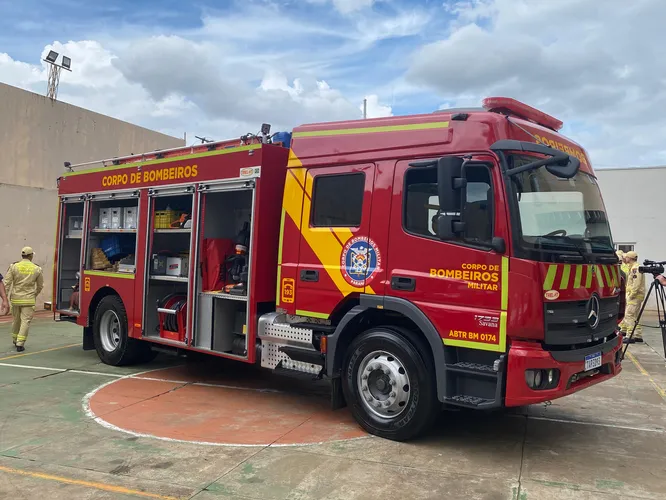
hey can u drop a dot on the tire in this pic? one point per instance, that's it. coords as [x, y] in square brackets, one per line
[410, 406]
[112, 343]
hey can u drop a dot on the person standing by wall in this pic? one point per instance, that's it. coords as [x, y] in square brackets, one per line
[24, 283]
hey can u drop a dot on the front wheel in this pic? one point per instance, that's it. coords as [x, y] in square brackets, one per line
[388, 382]
[110, 333]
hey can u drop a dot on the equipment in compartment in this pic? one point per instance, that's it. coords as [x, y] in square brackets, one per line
[177, 266]
[116, 217]
[129, 217]
[172, 314]
[158, 264]
[99, 260]
[105, 218]
[126, 264]
[182, 221]
[75, 229]
[172, 219]
[213, 268]
[238, 263]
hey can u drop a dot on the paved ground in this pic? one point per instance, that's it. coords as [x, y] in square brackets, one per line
[608, 442]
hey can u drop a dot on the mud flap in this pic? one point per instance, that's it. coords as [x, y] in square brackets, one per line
[337, 397]
[88, 341]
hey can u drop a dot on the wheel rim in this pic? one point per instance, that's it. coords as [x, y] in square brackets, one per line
[383, 383]
[109, 329]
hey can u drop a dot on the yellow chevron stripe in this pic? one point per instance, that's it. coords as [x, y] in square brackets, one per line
[566, 273]
[600, 278]
[616, 276]
[578, 277]
[607, 275]
[588, 277]
[550, 277]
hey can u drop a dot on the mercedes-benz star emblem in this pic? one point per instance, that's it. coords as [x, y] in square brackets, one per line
[593, 311]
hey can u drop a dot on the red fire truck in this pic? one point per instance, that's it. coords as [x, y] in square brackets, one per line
[458, 258]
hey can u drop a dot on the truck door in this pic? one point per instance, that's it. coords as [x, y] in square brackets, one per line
[459, 284]
[336, 256]
[69, 252]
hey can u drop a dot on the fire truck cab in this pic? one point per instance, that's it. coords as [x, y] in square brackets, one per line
[461, 258]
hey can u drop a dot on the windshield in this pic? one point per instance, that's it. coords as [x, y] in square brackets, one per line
[557, 214]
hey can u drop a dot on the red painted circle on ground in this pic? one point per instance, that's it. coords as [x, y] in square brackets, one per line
[244, 407]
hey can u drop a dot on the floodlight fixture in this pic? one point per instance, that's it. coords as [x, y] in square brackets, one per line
[54, 72]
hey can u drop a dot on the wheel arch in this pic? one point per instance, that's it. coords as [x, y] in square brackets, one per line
[375, 311]
[105, 291]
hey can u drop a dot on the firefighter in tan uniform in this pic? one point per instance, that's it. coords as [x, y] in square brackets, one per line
[635, 294]
[24, 282]
[625, 266]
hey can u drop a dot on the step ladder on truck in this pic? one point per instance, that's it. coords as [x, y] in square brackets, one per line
[459, 258]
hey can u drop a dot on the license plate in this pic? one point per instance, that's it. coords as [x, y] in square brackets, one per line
[592, 361]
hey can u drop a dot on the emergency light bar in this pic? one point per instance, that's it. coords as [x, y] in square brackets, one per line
[509, 106]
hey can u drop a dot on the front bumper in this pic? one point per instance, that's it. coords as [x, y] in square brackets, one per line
[529, 355]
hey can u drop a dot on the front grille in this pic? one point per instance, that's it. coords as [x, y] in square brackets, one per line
[566, 323]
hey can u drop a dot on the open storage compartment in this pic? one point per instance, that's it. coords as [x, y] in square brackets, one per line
[112, 226]
[224, 255]
[168, 263]
[69, 256]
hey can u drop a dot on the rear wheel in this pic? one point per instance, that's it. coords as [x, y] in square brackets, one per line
[389, 385]
[110, 333]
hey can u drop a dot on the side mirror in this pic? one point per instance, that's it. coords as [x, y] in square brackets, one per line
[565, 170]
[451, 186]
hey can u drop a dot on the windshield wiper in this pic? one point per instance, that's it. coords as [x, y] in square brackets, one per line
[575, 241]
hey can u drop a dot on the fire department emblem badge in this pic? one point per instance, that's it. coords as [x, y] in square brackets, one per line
[360, 261]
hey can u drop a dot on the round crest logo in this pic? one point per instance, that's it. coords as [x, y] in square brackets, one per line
[360, 261]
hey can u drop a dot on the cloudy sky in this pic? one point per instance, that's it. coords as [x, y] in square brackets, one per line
[220, 68]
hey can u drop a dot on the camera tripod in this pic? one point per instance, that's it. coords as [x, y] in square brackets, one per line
[658, 288]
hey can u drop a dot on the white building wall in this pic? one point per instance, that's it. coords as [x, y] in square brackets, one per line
[635, 200]
[36, 136]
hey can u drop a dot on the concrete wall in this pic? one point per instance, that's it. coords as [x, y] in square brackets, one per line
[37, 136]
[636, 204]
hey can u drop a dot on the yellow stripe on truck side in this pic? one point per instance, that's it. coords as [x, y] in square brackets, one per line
[505, 303]
[371, 130]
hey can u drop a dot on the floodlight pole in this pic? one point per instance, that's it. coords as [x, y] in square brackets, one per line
[54, 80]
[54, 73]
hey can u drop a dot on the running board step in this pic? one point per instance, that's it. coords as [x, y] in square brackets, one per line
[470, 401]
[315, 327]
[309, 356]
[473, 369]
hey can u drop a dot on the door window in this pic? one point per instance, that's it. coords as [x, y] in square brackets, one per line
[624, 247]
[338, 200]
[421, 206]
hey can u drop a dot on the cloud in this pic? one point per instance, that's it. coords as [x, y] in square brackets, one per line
[346, 6]
[595, 63]
[219, 89]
